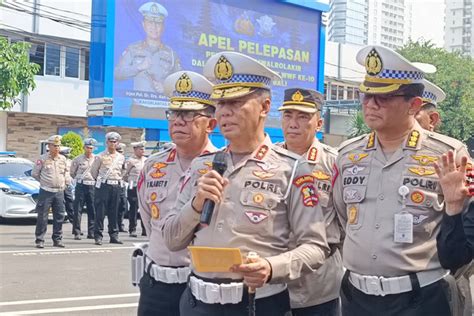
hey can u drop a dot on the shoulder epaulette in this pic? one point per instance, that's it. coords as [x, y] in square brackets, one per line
[329, 149]
[350, 141]
[284, 152]
[165, 149]
[448, 141]
[209, 153]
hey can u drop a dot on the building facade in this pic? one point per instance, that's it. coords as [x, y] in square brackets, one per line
[459, 26]
[348, 21]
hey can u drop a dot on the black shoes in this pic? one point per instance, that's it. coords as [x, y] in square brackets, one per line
[90, 237]
[39, 244]
[133, 234]
[58, 243]
[77, 237]
[98, 242]
[115, 241]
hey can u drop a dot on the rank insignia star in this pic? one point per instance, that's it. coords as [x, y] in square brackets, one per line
[413, 139]
[262, 151]
[357, 157]
[313, 154]
[371, 141]
[157, 173]
[422, 171]
[424, 160]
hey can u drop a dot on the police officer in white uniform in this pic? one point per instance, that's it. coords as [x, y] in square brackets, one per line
[388, 197]
[263, 197]
[190, 121]
[316, 293]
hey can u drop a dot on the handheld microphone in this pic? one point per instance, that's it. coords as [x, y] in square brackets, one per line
[219, 164]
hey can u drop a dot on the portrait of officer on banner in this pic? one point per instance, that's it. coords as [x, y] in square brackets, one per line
[149, 61]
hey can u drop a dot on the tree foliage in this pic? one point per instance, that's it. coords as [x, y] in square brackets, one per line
[16, 72]
[73, 141]
[455, 75]
[357, 125]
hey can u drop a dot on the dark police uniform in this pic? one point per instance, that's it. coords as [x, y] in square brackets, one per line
[52, 173]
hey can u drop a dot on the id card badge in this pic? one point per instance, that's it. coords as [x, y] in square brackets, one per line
[98, 183]
[403, 228]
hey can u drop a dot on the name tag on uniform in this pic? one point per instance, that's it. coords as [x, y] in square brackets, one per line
[403, 228]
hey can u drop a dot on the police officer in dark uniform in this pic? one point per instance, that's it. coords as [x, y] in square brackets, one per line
[52, 172]
[81, 172]
[107, 172]
[68, 191]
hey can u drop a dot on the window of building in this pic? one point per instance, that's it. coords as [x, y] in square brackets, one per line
[37, 56]
[350, 93]
[84, 64]
[333, 92]
[72, 62]
[53, 59]
[340, 93]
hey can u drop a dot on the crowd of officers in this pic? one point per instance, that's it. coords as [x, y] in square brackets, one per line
[103, 183]
[370, 228]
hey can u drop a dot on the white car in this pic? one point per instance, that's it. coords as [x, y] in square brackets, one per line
[18, 190]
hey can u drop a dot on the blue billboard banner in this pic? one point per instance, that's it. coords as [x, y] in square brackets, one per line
[155, 39]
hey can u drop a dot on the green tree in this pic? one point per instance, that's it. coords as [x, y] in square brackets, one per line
[455, 75]
[16, 72]
[73, 141]
[357, 125]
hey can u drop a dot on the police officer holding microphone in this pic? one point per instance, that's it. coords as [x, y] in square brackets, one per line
[263, 197]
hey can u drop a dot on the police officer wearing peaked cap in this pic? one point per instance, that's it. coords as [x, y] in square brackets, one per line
[264, 196]
[107, 172]
[190, 117]
[428, 117]
[85, 187]
[388, 197]
[52, 171]
[148, 61]
[316, 293]
[133, 167]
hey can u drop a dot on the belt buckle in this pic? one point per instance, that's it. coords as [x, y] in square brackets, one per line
[374, 285]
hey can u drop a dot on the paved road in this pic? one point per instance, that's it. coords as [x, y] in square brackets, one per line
[82, 279]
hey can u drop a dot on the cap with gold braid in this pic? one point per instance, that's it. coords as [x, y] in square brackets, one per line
[188, 91]
[153, 11]
[55, 140]
[305, 100]
[432, 94]
[387, 71]
[236, 75]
